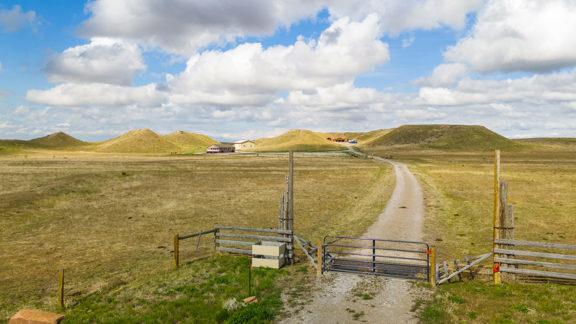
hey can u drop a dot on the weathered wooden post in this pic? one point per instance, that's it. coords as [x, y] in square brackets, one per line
[286, 210]
[61, 294]
[496, 211]
[432, 269]
[216, 237]
[250, 280]
[291, 208]
[176, 250]
[506, 222]
[320, 258]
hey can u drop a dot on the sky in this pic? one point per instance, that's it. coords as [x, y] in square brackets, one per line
[257, 68]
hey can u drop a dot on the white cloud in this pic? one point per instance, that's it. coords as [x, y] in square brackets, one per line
[15, 19]
[103, 60]
[191, 24]
[0, 66]
[444, 75]
[6, 125]
[554, 87]
[510, 35]
[423, 114]
[245, 75]
[507, 110]
[196, 24]
[399, 16]
[96, 94]
[21, 110]
[407, 42]
[250, 74]
[339, 97]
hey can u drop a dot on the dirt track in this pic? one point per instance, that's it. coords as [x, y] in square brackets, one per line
[338, 296]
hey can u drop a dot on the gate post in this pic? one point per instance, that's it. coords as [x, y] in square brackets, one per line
[320, 261]
[176, 250]
[432, 268]
[373, 255]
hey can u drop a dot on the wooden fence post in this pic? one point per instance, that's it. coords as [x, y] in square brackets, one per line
[496, 207]
[291, 208]
[432, 269]
[320, 257]
[61, 295]
[216, 245]
[176, 250]
[506, 223]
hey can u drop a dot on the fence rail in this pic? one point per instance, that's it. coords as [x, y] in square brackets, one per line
[509, 257]
[225, 240]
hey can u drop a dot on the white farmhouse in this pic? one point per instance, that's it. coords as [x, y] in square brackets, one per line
[244, 145]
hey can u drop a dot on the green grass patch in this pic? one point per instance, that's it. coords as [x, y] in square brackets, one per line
[508, 303]
[206, 291]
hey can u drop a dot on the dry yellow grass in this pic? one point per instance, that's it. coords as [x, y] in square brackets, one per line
[297, 140]
[190, 142]
[459, 190]
[138, 141]
[111, 218]
[459, 195]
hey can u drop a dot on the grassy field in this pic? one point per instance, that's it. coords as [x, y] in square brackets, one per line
[459, 192]
[108, 220]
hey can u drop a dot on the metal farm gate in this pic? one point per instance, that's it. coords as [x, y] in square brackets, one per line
[400, 259]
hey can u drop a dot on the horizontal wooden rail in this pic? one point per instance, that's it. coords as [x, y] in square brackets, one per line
[196, 234]
[256, 237]
[233, 250]
[536, 244]
[249, 229]
[536, 254]
[536, 263]
[228, 242]
[540, 273]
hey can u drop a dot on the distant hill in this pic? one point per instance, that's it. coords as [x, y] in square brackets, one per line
[297, 140]
[190, 142]
[56, 140]
[562, 143]
[450, 137]
[363, 138]
[138, 141]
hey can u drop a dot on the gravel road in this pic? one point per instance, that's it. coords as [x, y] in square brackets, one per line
[337, 297]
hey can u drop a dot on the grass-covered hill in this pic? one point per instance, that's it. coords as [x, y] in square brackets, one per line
[56, 140]
[363, 138]
[449, 137]
[190, 142]
[138, 141]
[297, 140]
[557, 144]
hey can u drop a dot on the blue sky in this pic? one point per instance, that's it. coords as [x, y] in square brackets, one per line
[257, 68]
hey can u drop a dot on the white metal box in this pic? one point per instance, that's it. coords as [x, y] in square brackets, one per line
[268, 254]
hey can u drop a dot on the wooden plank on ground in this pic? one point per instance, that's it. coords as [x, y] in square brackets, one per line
[536, 263]
[536, 254]
[548, 274]
[536, 244]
